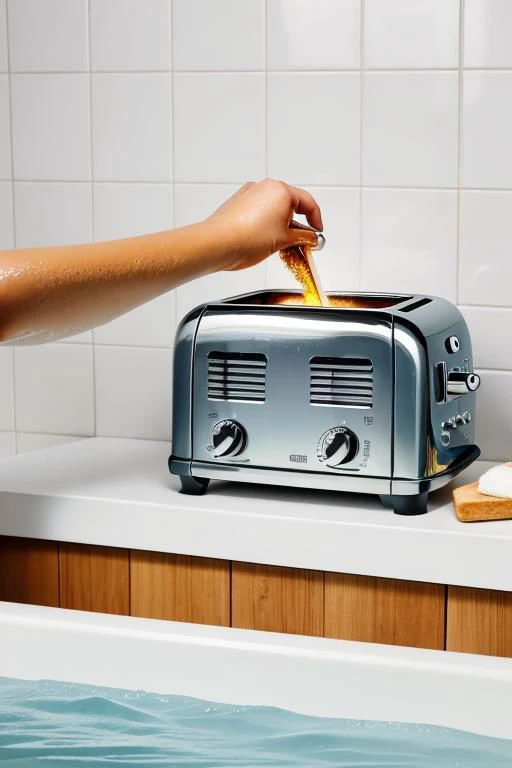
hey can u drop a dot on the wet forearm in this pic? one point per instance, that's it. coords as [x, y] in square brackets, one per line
[53, 292]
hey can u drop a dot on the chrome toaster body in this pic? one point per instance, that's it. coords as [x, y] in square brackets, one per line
[374, 398]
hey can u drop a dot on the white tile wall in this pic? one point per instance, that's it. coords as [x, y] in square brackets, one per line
[487, 33]
[410, 241]
[7, 444]
[319, 145]
[54, 389]
[219, 127]
[411, 34]
[6, 215]
[49, 36]
[5, 129]
[134, 115]
[494, 414]
[133, 392]
[50, 124]
[410, 129]
[223, 35]
[313, 35]
[487, 127]
[3, 36]
[130, 35]
[485, 248]
[490, 335]
[122, 210]
[6, 389]
[131, 126]
[52, 213]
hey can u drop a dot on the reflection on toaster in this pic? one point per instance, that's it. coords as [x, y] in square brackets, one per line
[373, 394]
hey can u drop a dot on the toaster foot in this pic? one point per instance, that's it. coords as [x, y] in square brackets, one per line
[407, 505]
[194, 486]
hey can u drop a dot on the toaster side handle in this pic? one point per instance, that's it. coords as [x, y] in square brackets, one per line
[183, 373]
[465, 458]
[409, 497]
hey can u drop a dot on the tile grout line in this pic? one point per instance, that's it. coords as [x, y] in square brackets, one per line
[150, 183]
[14, 238]
[173, 148]
[361, 137]
[268, 280]
[291, 72]
[468, 305]
[459, 149]
[93, 218]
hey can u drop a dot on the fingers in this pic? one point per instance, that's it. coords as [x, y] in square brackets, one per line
[305, 203]
[298, 234]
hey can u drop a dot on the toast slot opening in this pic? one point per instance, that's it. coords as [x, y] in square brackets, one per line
[336, 300]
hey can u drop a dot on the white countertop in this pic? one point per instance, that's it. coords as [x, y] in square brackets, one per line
[117, 492]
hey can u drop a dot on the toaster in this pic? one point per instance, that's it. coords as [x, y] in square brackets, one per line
[375, 394]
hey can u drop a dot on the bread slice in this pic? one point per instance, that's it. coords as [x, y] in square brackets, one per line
[472, 506]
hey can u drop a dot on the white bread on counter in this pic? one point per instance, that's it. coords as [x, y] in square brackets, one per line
[489, 498]
[497, 481]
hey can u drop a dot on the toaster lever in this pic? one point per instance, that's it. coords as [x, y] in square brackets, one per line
[461, 382]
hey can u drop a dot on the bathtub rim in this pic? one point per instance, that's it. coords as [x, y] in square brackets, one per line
[308, 675]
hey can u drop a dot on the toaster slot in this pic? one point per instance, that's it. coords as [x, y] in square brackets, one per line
[440, 382]
[416, 305]
[237, 376]
[341, 381]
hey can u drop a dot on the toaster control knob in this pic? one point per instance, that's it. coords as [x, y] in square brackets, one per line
[228, 438]
[452, 344]
[461, 382]
[339, 446]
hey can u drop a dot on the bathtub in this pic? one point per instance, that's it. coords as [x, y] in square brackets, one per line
[306, 675]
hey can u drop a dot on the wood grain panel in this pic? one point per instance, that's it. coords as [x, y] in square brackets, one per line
[479, 621]
[384, 611]
[277, 599]
[180, 588]
[94, 578]
[29, 571]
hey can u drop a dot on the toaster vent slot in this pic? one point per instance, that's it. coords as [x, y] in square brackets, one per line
[343, 381]
[238, 376]
[416, 305]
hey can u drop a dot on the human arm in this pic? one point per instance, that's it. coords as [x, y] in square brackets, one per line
[48, 293]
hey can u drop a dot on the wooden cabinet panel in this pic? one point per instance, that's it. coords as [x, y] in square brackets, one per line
[277, 599]
[94, 579]
[180, 588]
[29, 571]
[479, 621]
[384, 611]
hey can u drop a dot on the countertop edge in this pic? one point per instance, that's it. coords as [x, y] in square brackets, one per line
[407, 550]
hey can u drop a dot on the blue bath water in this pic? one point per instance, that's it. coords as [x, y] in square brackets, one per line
[59, 724]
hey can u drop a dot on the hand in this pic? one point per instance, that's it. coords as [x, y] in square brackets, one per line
[258, 221]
